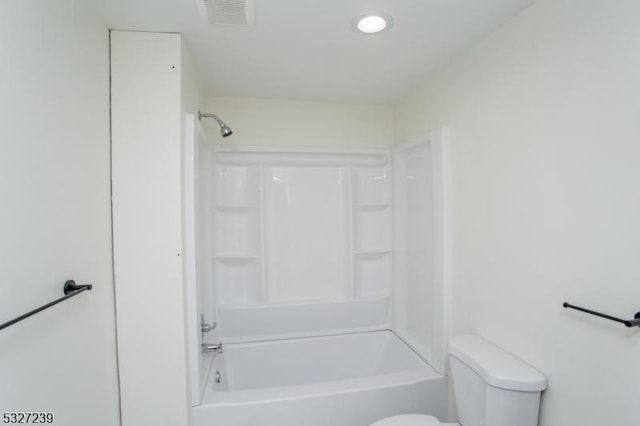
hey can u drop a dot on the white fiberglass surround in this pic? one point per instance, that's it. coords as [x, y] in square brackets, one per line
[302, 242]
[343, 380]
[421, 284]
[298, 243]
[198, 160]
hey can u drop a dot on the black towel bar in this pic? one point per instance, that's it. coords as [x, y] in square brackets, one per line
[635, 322]
[70, 289]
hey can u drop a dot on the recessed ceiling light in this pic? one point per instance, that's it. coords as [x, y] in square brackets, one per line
[372, 23]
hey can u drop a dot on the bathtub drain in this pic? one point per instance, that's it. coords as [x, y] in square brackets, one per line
[217, 377]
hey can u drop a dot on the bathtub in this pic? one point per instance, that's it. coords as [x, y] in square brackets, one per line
[341, 380]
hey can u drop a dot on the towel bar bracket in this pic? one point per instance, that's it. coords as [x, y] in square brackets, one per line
[70, 286]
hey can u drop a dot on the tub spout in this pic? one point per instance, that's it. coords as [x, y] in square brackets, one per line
[212, 347]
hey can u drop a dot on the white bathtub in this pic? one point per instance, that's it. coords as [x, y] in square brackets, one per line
[343, 380]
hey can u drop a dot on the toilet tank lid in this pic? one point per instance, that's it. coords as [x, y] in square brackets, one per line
[496, 366]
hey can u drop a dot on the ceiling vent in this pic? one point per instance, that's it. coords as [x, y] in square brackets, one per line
[227, 12]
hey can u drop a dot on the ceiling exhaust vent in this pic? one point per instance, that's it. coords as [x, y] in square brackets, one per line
[227, 12]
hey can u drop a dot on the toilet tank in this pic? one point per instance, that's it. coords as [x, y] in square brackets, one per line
[491, 386]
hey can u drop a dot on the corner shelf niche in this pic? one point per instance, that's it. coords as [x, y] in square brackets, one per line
[372, 240]
[237, 243]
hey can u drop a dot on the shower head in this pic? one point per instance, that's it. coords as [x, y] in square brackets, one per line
[224, 129]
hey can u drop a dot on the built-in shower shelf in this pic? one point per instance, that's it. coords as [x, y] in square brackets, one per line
[250, 322]
[372, 253]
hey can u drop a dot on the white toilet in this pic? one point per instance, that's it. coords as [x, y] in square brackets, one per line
[491, 386]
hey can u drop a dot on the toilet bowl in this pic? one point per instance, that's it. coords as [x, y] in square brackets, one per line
[412, 420]
[491, 387]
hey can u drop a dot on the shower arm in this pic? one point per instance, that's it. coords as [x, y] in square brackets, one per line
[215, 117]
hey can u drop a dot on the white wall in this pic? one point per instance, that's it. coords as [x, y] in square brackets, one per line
[192, 91]
[544, 120]
[147, 104]
[55, 213]
[279, 123]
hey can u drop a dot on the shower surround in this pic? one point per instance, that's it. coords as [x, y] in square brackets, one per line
[295, 244]
[304, 236]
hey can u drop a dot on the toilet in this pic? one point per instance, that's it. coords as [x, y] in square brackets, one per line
[491, 387]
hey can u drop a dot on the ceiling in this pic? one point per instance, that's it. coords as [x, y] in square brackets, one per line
[307, 50]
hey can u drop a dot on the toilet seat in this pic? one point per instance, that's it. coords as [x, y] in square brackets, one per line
[408, 420]
[412, 420]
